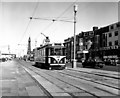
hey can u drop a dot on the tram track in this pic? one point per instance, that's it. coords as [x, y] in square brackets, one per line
[73, 96]
[47, 94]
[51, 74]
[115, 76]
[99, 86]
[91, 79]
[56, 74]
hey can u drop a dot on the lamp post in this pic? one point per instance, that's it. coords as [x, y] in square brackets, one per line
[74, 60]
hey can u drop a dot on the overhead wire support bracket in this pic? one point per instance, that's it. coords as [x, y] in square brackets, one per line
[52, 19]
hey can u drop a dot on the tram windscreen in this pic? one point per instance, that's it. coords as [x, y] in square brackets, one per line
[57, 51]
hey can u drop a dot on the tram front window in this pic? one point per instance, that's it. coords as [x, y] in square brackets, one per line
[57, 51]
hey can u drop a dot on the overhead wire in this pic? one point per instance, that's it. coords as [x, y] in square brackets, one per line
[44, 29]
[53, 20]
[29, 22]
[66, 10]
[25, 30]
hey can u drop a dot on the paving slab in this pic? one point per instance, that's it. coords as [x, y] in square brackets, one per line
[17, 82]
[34, 91]
[50, 87]
[59, 94]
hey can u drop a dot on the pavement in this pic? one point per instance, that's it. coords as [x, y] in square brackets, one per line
[16, 81]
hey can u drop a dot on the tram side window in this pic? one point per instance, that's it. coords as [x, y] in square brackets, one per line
[51, 51]
[63, 51]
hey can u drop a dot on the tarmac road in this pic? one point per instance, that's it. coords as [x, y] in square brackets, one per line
[20, 78]
[106, 67]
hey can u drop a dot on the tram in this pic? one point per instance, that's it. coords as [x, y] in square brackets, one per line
[50, 56]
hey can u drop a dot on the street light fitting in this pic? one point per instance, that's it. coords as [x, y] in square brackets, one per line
[75, 7]
[54, 20]
[31, 17]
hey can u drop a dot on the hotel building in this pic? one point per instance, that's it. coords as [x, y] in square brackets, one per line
[101, 42]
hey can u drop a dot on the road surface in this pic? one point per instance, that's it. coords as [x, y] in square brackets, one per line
[106, 67]
[20, 78]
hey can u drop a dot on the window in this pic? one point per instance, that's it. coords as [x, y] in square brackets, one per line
[110, 43]
[91, 33]
[103, 36]
[85, 33]
[112, 27]
[57, 51]
[118, 24]
[104, 43]
[116, 33]
[110, 34]
[116, 42]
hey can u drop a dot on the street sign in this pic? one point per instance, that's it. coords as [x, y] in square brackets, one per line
[85, 51]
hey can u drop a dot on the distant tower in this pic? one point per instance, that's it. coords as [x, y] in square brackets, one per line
[9, 49]
[29, 46]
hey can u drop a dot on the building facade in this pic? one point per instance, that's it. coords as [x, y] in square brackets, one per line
[112, 49]
[68, 48]
[69, 45]
[103, 42]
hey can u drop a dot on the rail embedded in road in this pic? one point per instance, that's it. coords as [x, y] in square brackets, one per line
[89, 83]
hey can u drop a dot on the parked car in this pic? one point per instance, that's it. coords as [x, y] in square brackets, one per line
[108, 62]
[96, 62]
[3, 59]
[118, 62]
[112, 63]
[99, 62]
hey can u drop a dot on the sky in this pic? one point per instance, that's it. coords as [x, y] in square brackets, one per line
[17, 27]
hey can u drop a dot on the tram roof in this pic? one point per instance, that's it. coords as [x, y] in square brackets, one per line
[55, 45]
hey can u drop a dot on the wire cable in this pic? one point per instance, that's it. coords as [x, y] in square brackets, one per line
[66, 10]
[53, 20]
[44, 29]
[29, 22]
[25, 30]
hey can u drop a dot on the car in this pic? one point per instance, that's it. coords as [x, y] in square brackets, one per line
[3, 59]
[99, 62]
[93, 62]
[118, 62]
[112, 63]
[108, 62]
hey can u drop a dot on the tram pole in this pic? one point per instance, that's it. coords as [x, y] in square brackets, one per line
[74, 60]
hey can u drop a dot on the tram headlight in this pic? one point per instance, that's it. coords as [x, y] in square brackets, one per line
[54, 61]
[61, 61]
